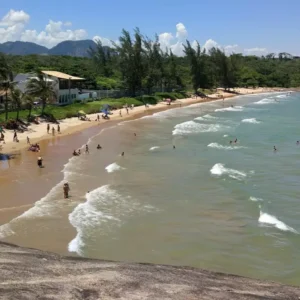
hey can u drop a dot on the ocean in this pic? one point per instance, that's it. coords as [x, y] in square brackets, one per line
[182, 194]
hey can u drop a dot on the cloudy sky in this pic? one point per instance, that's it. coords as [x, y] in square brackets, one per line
[251, 27]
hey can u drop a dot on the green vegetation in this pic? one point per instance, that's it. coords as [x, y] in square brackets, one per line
[141, 69]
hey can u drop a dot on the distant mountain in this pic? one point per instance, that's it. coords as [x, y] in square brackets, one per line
[71, 48]
[22, 48]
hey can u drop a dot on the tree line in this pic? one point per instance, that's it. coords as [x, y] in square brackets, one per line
[138, 65]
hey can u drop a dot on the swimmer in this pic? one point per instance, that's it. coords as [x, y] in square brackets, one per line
[297, 143]
[275, 149]
[230, 142]
[99, 147]
[122, 154]
[75, 153]
[174, 147]
[235, 141]
[40, 162]
[79, 152]
[87, 149]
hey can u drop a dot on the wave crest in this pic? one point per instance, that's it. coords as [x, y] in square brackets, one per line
[251, 121]
[113, 168]
[220, 170]
[191, 127]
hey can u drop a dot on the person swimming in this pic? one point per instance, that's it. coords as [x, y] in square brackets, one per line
[275, 149]
[79, 152]
[122, 154]
[297, 143]
[75, 153]
[99, 147]
[235, 141]
[40, 162]
[174, 147]
[230, 142]
[87, 149]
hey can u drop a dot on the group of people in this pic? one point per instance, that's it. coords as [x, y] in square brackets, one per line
[35, 148]
[87, 150]
[53, 129]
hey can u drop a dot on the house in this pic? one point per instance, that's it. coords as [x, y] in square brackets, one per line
[66, 87]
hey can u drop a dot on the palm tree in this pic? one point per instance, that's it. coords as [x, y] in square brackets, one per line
[6, 80]
[39, 86]
[16, 97]
[28, 100]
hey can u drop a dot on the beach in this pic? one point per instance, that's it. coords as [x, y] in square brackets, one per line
[38, 132]
[181, 206]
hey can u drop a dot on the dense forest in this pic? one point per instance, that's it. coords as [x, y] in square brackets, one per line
[138, 63]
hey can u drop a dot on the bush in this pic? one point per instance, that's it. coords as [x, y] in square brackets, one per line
[166, 96]
[77, 101]
[148, 99]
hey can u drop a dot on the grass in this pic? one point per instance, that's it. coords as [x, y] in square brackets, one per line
[71, 110]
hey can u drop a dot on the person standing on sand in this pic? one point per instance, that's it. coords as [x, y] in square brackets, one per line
[40, 162]
[28, 140]
[53, 131]
[58, 128]
[120, 113]
[66, 189]
[98, 118]
[127, 110]
[15, 139]
[48, 128]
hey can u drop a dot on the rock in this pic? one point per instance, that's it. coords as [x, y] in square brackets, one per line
[34, 274]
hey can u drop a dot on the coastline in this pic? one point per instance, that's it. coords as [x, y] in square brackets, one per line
[21, 174]
[37, 133]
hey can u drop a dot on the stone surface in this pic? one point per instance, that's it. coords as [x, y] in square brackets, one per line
[33, 274]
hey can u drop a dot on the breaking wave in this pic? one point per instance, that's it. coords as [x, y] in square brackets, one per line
[235, 108]
[154, 148]
[191, 127]
[270, 220]
[265, 101]
[220, 170]
[113, 168]
[251, 120]
[218, 146]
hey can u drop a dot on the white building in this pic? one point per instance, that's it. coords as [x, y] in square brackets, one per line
[66, 87]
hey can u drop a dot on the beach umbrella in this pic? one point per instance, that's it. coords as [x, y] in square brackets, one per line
[106, 106]
[81, 112]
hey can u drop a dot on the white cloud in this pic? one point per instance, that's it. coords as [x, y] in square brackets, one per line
[256, 51]
[210, 44]
[181, 31]
[104, 41]
[12, 28]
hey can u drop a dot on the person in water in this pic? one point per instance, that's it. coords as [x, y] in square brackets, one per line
[99, 147]
[87, 149]
[174, 147]
[235, 141]
[66, 189]
[75, 153]
[134, 134]
[275, 149]
[79, 151]
[122, 154]
[40, 162]
[230, 142]
[297, 143]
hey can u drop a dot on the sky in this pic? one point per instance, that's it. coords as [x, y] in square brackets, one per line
[242, 26]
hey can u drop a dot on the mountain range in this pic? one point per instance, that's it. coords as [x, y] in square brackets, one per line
[70, 48]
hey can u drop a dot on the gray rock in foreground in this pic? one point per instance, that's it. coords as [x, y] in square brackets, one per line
[33, 274]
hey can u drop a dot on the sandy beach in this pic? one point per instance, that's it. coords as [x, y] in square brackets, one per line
[37, 133]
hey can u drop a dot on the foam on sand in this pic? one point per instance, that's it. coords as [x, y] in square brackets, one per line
[154, 148]
[113, 168]
[220, 170]
[251, 121]
[272, 221]
[192, 127]
[221, 147]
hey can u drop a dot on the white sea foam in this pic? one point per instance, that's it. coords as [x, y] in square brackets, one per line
[154, 148]
[89, 215]
[270, 220]
[191, 127]
[225, 135]
[220, 170]
[281, 96]
[103, 211]
[206, 118]
[218, 146]
[113, 168]
[235, 108]
[265, 101]
[255, 199]
[251, 120]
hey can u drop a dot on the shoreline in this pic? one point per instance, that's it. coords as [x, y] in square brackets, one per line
[37, 132]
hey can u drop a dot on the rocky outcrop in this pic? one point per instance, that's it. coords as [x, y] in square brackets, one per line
[33, 274]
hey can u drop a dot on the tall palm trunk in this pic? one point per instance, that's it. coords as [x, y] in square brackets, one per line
[29, 112]
[18, 112]
[6, 106]
[43, 106]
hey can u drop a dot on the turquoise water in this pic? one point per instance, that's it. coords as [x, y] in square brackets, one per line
[207, 203]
